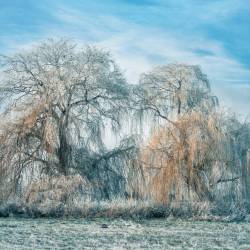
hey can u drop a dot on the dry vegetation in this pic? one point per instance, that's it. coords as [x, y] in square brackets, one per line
[187, 160]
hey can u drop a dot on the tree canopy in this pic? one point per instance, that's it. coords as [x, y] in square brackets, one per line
[61, 96]
[171, 90]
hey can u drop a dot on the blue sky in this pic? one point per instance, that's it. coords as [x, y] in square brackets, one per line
[143, 33]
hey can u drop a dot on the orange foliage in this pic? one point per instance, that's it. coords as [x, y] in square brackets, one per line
[176, 155]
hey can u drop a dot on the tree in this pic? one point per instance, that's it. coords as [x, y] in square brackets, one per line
[191, 142]
[186, 161]
[65, 96]
[169, 91]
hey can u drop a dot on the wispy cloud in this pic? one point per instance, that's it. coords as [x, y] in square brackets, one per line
[141, 34]
[139, 50]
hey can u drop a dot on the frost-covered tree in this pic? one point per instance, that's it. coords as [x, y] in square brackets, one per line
[195, 153]
[171, 90]
[61, 97]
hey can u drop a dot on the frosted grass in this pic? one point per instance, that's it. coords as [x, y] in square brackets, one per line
[122, 234]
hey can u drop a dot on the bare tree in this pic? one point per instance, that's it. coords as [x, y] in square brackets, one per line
[66, 95]
[169, 91]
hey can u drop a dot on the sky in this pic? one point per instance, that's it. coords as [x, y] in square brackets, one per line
[141, 34]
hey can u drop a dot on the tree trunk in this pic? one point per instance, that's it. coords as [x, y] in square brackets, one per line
[179, 106]
[64, 151]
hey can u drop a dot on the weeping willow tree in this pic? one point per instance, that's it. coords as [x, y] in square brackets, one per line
[192, 149]
[61, 98]
[187, 161]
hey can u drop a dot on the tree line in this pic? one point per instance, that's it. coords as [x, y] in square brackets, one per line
[59, 100]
